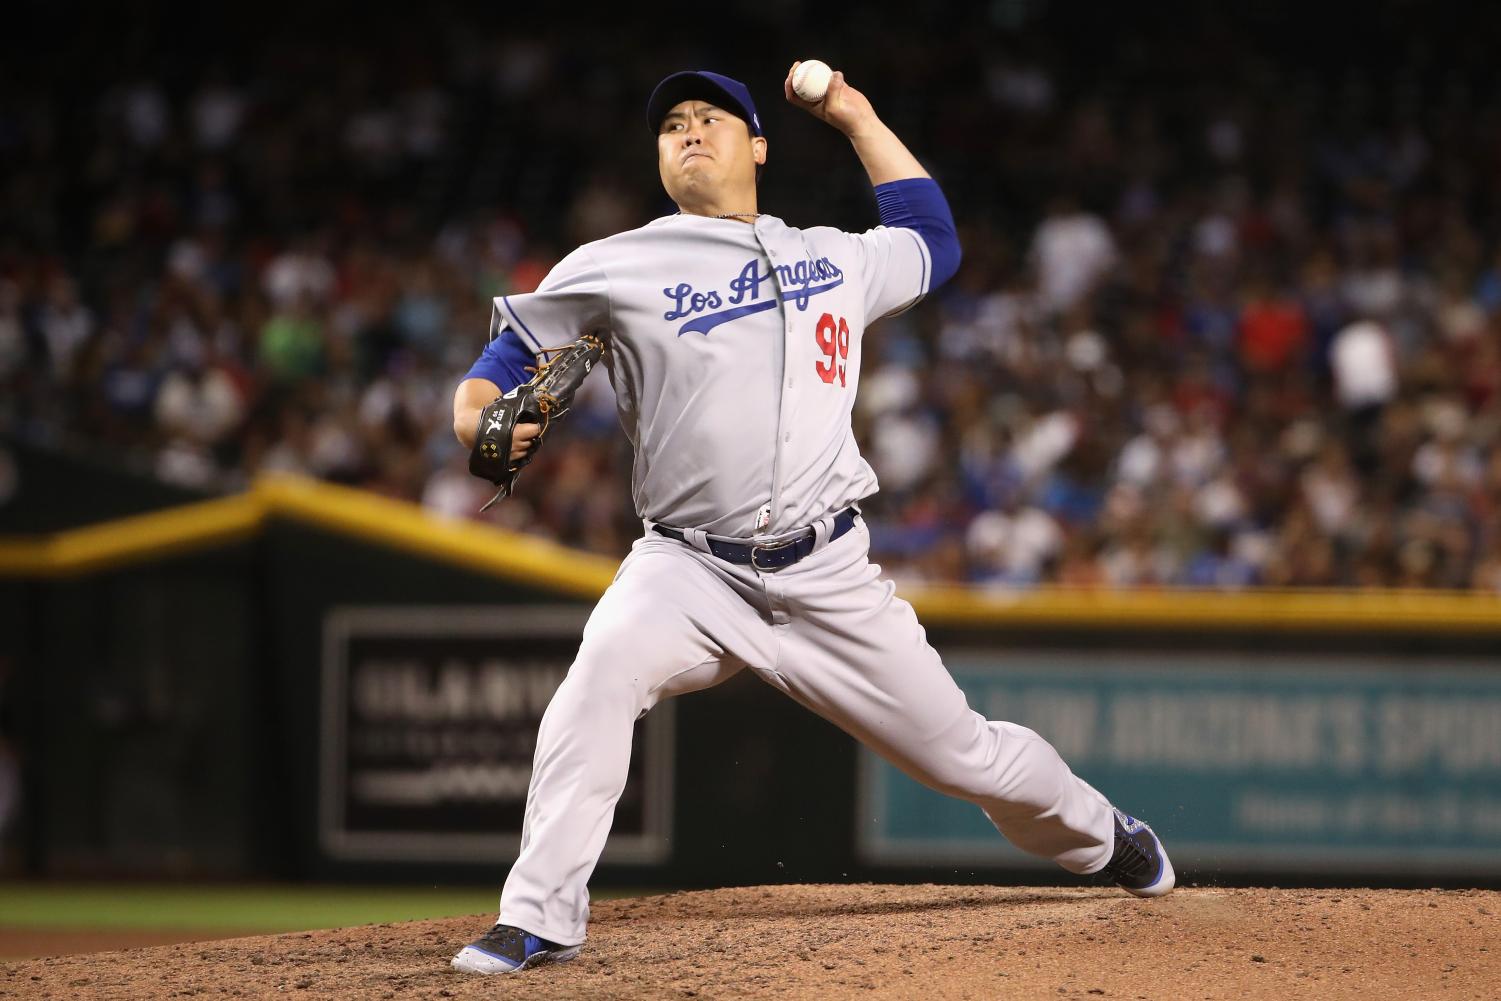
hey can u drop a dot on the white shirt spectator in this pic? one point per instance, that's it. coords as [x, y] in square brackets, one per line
[1140, 462]
[187, 464]
[1365, 365]
[205, 408]
[904, 449]
[333, 447]
[187, 260]
[297, 273]
[1018, 545]
[1040, 446]
[1219, 502]
[1071, 253]
[1331, 493]
[66, 324]
[1446, 462]
[887, 389]
[1461, 319]
[1197, 456]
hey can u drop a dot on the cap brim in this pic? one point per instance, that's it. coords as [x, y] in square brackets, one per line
[689, 85]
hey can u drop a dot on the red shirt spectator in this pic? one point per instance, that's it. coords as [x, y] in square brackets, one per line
[1273, 333]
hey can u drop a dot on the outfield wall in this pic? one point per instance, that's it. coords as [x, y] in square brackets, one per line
[309, 681]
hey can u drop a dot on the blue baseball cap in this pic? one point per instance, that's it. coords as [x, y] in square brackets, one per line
[701, 85]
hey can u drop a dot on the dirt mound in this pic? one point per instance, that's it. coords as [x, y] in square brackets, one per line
[17, 943]
[869, 942]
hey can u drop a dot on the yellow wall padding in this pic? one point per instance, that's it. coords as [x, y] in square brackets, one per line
[479, 547]
[1185, 610]
[468, 544]
[138, 538]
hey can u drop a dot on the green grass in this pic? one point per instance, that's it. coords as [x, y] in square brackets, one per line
[255, 908]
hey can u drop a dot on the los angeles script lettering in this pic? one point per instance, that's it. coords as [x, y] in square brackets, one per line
[797, 282]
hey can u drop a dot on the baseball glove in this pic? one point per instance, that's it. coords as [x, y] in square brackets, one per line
[543, 400]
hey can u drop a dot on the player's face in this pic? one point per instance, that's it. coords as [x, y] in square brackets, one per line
[704, 151]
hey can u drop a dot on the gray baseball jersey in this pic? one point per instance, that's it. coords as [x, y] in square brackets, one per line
[735, 356]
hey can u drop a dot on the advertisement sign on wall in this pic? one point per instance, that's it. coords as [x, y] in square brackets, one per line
[429, 724]
[1298, 762]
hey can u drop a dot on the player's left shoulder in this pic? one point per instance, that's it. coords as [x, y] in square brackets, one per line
[818, 241]
[773, 225]
[831, 239]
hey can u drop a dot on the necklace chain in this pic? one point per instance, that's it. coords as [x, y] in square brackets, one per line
[739, 215]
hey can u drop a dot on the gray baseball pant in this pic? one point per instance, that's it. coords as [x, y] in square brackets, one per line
[829, 632]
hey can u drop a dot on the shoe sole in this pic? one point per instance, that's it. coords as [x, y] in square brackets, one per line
[472, 960]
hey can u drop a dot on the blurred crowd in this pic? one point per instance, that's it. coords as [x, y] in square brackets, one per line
[1229, 315]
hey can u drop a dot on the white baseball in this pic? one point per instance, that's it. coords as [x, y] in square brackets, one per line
[811, 80]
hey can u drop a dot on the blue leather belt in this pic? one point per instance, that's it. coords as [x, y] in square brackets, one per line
[775, 556]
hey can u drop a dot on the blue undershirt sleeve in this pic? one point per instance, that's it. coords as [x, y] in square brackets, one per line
[504, 362]
[917, 203]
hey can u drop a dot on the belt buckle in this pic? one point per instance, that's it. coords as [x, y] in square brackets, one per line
[770, 548]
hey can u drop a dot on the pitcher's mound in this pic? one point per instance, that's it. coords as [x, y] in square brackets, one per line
[869, 942]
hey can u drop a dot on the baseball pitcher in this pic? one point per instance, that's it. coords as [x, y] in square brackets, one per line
[733, 342]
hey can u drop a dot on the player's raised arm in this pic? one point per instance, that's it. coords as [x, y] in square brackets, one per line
[885, 157]
[906, 195]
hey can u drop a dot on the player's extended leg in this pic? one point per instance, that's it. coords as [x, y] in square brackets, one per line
[856, 654]
[666, 626]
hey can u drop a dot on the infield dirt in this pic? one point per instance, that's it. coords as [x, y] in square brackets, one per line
[863, 941]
